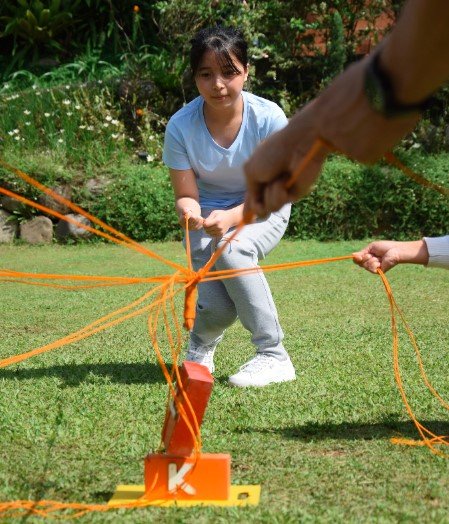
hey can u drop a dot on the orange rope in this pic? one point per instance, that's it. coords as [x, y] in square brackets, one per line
[99, 281]
[422, 430]
[121, 240]
[88, 278]
[394, 161]
[232, 273]
[191, 290]
[92, 328]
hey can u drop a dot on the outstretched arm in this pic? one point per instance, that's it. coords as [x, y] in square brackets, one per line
[415, 56]
[385, 254]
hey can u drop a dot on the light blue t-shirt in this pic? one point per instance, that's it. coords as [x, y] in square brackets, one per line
[189, 145]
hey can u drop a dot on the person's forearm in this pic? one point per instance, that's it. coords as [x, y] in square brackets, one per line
[236, 215]
[416, 53]
[413, 252]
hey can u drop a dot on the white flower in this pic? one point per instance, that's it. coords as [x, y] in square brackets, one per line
[82, 127]
[77, 107]
[16, 131]
[109, 118]
[11, 133]
[115, 122]
[67, 87]
[105, 124]
[27, 123]
[34, 87]
[46, 115]
[69, 113]
[115, 135]
[150, 158]
[131, 139]
[60, 140]
[26, 112]
[90, 128]
[66, 102]
[17, 138]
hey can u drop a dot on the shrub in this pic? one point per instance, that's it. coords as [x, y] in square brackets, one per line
[140, 203]
[352, 201]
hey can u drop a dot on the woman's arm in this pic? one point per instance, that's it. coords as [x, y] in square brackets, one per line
[186, 197]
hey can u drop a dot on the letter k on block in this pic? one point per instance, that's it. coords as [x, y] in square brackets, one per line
[176, 478]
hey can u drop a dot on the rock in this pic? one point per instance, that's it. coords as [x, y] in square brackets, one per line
[96, 186]
[65, 230]
[38, 230]
[65, 191]
[10, 204]
[8, 227]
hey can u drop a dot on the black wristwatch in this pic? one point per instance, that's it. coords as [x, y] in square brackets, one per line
[380, 93]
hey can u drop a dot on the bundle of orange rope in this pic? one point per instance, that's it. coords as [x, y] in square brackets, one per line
[159, 304]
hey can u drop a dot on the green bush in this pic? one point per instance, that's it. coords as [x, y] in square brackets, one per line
[352, 201]
[140, 203]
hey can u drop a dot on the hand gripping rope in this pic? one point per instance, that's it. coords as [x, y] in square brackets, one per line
[159, 306]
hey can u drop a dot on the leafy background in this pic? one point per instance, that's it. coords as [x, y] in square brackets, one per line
[87, 87]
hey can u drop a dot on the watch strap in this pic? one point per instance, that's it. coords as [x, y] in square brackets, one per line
[380, 92]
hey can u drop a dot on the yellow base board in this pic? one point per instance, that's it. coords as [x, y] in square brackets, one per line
[239, 496]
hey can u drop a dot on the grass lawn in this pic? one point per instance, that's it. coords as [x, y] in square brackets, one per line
[77, 421]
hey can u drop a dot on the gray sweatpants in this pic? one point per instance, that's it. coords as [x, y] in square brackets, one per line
[247, 297]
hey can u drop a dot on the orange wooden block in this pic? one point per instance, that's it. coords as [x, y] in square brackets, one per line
[197, 383]
[171, 477]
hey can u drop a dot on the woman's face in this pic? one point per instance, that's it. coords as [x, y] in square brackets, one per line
[220, 88]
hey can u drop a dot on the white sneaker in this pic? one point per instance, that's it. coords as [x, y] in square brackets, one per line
[263, 370]
[203, 355]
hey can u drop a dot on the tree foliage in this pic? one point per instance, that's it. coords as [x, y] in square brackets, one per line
[295, 46]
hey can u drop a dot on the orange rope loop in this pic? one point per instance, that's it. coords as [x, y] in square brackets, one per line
[422, 430]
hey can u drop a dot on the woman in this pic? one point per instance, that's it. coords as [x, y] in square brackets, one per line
[206, 144]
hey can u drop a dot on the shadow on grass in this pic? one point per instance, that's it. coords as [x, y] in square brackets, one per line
[354, 431]
[388, 428]
[76, 374]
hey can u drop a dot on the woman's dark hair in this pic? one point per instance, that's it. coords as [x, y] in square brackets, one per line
[222, 41]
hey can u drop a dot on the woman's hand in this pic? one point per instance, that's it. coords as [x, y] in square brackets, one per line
[218, 222]
[195, 220]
